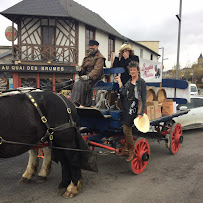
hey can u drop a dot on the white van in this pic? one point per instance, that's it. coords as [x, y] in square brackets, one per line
[193, 89]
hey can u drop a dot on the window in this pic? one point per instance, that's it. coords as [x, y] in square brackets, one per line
[89, 34]
[197, 102]
[193, 89]
[188, 105]
[48, 35]
[48, 42]
[141, 53]
[194, 103]
[151, 57]
[111, 46]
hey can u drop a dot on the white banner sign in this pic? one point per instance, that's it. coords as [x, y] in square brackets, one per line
[150, 71]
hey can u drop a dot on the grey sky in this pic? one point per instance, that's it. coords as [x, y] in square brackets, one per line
[147, 20]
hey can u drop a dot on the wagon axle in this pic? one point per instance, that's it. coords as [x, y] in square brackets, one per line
[145, 157]
[181, 139]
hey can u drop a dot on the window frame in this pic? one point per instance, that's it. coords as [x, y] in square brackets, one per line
[48, 27]
[151, 57]
[110, 40]
[141, 53]
[88, 30]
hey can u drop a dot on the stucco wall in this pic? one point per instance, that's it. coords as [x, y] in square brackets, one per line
[118, 43]
[81, 43]
[102, 38]
[153, 45]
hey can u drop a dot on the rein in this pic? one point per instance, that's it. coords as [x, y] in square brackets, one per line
[60, 148]
[34, 145]
[62, 83]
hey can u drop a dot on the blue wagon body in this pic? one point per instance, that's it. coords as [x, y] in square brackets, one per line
[100, 120]
[103, 128]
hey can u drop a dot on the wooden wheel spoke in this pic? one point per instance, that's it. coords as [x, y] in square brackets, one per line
[137, 165]
[174, 136]
[135, 162]
[138, 147]
[144, 146]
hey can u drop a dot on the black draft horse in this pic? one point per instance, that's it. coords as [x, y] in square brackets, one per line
[21, 122]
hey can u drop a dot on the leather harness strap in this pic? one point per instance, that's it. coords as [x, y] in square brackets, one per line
[68, 110]
[50, 131]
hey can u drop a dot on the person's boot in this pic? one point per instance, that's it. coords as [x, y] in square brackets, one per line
[124, 151]
[131, 152]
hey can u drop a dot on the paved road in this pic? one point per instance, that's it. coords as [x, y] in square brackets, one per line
[168, 178]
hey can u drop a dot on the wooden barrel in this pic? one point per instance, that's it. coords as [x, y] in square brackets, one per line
[151, 96]
[161, 95]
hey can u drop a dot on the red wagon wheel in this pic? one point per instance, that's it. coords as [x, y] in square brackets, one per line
[175, 138]
[142, 152]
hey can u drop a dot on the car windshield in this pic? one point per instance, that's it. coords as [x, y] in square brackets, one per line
[195, 103]
[189, 105]
[193, 89]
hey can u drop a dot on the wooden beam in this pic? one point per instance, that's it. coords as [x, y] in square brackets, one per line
[54, 82]
[38, 81]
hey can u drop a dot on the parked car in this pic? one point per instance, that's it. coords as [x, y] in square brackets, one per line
[194, 118]
[193, 89]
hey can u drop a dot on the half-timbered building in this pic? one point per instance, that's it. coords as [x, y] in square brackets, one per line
[53, 38]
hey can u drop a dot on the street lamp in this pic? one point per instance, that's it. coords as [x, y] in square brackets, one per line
[179, 30]
[178, 50]
[163, 57]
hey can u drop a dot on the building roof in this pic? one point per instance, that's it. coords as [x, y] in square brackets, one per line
[200, 56]
[6, 54]
[63, 9]
[60, 8]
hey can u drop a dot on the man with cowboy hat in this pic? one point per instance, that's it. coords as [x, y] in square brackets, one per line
[126, 55]
[91, 72]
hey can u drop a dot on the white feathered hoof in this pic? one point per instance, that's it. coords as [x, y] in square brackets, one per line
[24, 180]
[73, 190]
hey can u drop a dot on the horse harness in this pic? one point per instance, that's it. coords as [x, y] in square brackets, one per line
[49, 135]
[50, 131]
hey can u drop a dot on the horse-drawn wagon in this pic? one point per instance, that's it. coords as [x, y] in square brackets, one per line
[102, 127]
[39, 115]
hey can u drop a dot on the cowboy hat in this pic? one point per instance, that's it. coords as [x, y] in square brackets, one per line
[126, 47]
[142, 124]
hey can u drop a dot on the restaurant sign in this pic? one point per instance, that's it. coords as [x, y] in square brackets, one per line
[150, 71]
[11, 33]
[37, 68]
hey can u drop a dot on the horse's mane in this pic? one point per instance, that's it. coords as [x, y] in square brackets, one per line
[19, 90]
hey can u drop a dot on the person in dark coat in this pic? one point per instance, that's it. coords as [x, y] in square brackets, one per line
[126, 55]
[91, 72]
[134, 102]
